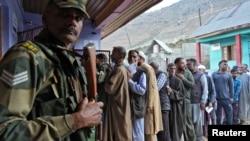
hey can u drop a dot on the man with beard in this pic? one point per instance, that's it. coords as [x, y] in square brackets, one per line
[198, 97]
[244, 96]
[245, 69]
[209, 116]
[42, 83]
[211, 97]
[223, 82]
[177, 101]
[153, 117]
[118, 113]
[137, 87]
[188, 81]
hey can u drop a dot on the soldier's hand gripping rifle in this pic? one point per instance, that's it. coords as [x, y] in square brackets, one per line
[89, 56]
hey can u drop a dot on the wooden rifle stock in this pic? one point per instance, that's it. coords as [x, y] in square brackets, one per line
[89, 56]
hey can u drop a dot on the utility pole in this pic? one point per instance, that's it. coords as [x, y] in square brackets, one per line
[127, 37]
[199, 15]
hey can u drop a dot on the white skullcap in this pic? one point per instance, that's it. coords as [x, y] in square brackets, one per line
[201, 67]
[142, 54]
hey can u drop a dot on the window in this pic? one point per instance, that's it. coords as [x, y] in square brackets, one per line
[228, 52]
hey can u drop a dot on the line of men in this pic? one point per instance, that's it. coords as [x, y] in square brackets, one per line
[154, 104]
[44, 90]
[221, 91]
[232, 84]
[147, 99]
[132, 108]
[241, 96]
[158, 100]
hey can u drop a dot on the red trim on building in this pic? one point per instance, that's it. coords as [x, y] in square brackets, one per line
[238, 49]
[198, 52]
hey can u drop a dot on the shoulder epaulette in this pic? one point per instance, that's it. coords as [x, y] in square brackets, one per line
[29, 45]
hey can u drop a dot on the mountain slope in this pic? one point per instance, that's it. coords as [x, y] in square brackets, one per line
[169, 24]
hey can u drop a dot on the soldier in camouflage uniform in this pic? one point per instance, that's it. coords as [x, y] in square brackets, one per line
[42, 84]
[102, 71]
[102, 68]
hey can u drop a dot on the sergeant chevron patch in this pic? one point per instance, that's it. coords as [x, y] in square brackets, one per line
[13, 80]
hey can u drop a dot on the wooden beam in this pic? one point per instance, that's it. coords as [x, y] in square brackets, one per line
[238, 49]
[198, 52]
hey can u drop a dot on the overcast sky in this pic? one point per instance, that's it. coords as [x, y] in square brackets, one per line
[162, 4]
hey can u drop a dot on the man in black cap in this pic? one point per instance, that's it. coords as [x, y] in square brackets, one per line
[43, 87]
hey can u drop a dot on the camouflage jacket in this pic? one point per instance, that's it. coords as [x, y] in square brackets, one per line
[102, 72]
[38, 93]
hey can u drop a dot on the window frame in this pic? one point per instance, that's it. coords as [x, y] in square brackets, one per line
[228, 52]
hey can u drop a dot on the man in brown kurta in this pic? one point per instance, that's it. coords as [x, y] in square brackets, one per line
[118, 126]
[153, 118]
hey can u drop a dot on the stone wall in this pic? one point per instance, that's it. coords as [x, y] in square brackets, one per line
[188, 50]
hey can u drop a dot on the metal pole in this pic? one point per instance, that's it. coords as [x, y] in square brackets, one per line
[128, 37]
[200, 16]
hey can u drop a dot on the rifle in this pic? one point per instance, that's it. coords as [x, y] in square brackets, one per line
[89, 56]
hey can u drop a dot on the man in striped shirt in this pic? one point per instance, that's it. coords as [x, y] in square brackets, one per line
[163, 83]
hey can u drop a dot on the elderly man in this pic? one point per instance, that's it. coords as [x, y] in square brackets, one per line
[210, 101]
[42, 83]
[244, 96]
[118, 111]
[153, 119]
[245, 69]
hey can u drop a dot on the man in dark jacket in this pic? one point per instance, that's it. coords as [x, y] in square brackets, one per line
[137, 91]
[198, 97]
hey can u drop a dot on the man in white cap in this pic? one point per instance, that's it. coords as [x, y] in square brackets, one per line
[153, 118]
[211, 100]
[137, 91]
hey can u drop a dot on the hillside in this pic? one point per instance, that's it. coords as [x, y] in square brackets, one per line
[169, 24]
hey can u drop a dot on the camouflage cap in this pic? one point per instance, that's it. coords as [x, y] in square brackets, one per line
[78, 4]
